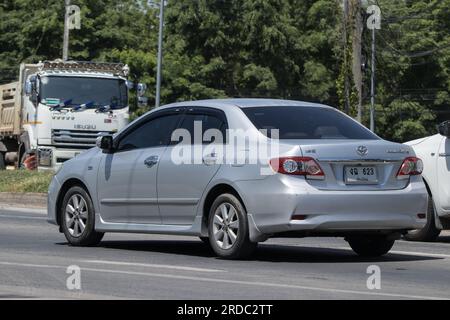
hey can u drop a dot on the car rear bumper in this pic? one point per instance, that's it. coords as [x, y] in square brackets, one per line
[273, 202]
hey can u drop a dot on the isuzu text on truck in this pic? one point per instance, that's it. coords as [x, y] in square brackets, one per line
[58, 109]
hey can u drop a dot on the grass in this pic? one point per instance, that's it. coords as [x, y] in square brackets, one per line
[24, 181]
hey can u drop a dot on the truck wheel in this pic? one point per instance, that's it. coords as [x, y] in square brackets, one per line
[228, 228]
[77, 218]
[429, 232]
[370, 246]
[2, 161]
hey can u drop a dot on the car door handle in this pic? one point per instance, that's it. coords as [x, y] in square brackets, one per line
[444, 154]
[210, 159]
[151, 161]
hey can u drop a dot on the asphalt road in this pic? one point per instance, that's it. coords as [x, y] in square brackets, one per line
[34, 259]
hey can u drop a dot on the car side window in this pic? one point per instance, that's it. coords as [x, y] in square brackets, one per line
[207, 121]
[153, 133]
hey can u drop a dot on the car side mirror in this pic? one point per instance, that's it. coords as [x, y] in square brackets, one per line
[444, 129]
[105, 143]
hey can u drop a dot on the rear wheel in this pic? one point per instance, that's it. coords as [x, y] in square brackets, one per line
[77, 218]
[429, 232]
[2, 161]
[370, 246]
[228, 228]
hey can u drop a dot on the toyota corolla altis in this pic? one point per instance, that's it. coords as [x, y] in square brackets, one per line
[239, 171]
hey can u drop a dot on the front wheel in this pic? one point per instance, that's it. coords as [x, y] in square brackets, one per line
[228, 228]
[77, 218]
[370, 246]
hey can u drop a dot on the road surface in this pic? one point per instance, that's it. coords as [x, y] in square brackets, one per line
[34, 260]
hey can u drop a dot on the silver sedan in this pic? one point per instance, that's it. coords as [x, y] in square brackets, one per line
[236, 172]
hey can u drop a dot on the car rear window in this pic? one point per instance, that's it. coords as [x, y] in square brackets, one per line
[296, 122]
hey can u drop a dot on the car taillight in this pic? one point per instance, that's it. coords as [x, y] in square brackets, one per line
[303, 166]
[411, 166]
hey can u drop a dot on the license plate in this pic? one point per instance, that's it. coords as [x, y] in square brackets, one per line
[360, 175]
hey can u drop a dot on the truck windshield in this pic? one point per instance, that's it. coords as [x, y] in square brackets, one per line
[307, 123]
[81, 90]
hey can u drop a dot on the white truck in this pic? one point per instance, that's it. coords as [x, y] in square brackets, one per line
[435, 154]
[58, 109]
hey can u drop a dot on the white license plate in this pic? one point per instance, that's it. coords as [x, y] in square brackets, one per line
[360, 175]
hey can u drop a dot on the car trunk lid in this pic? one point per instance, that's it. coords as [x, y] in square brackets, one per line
[356, 164]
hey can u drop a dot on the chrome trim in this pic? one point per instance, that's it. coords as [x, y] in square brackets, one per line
[362, 151]
[129, 201]
[165, 201]
[79, 139]
[360, 160]
[178, 201]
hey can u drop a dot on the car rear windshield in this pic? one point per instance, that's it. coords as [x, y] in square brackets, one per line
[296, 122]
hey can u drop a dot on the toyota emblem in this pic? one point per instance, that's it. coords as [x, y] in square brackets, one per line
[362, 150]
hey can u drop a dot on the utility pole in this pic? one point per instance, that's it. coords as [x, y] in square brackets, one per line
[66, 31]
[373, 23]
[345, 43]
[372, 85]
[356, 49]
[160, 54]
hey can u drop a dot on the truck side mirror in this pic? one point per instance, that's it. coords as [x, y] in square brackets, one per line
[28, 88]
[444, 129]
[105, 143]
[141, 88]
[129, 84]
[142, 101]
[31, 89]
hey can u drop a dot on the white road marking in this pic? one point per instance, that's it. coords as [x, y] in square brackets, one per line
[411, 253]
[13, 216]
[415, 253]
[163, 266]
[24, 210]
[238, 282]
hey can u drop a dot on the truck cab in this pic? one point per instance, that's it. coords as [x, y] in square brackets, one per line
[63, 108]
[435, 154]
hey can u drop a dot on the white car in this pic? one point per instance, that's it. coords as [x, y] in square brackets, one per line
[435, 153]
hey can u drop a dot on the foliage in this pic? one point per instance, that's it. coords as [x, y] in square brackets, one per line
[24, 181]
[251, 48]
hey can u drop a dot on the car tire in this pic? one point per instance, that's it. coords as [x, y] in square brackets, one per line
[77, 218]
[370, 246]
[228, 228]
[428, 233]
[2, 161]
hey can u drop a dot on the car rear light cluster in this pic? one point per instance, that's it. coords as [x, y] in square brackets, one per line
[302, 166]
[411, 166]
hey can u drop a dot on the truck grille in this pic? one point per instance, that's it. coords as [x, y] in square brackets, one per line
[77, 139]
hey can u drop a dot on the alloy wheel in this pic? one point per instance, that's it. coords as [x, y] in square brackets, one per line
[225, 225]
[76, 215]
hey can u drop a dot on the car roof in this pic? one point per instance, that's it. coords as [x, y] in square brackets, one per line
[244, 103]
